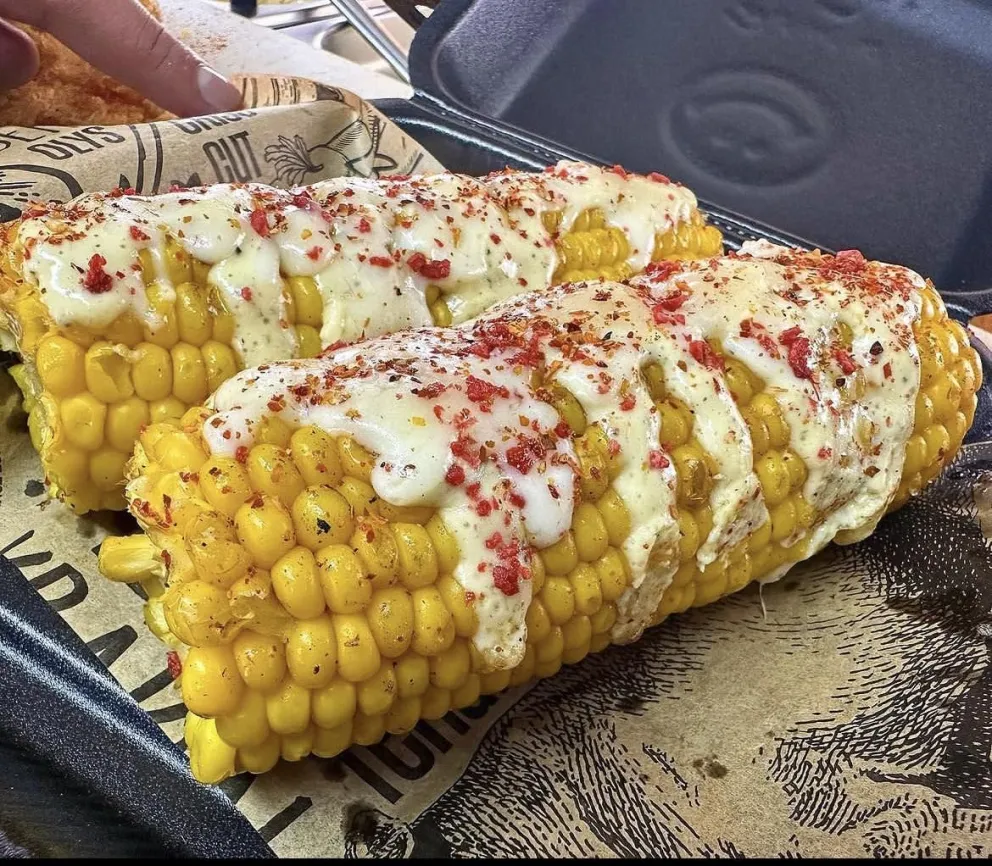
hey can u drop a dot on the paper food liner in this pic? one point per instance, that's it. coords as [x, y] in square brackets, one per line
[846, 710]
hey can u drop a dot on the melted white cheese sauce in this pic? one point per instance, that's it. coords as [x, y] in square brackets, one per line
[372, 246]
[410, 397]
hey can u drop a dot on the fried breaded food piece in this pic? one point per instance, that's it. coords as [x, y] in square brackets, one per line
[68, 91]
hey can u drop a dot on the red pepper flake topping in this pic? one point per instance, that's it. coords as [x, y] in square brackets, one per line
[660, 271]
[364, 226]
[429, 269]
[277, 404]
[455, 476]
[259, 222]
[302, 200]
[799, 352]
[521, 281]
[702, 352]
[517, 500]
[562, 430]
[849, 262]
[314, 253]
[241, 455]
[466, 448]
[628, 402]
[137, 234]
[173, 664]
[747, 327]
[845, 361]
[97, 280]
[484, 508]
[495, 238]
[381, 261]
[483, 392]
[432, 391]
[825, 452]
[117, 192]
[658, 460]
[619, 170]
[659, 178]
[177, 187]
[494, 541]
[887, 370]
[523, 456]
[246, 293]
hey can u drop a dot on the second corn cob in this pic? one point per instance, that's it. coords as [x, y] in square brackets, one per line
[566, 471]
[128, 310]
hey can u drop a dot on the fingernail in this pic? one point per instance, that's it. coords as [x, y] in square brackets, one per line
[216, 91]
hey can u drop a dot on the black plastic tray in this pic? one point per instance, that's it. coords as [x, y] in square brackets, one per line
[87, 772]
[855, 122]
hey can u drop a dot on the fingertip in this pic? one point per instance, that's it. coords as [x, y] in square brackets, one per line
[18, 57]
[217, 93]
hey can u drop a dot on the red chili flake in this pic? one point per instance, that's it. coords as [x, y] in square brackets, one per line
[259, 222]
[439, 413]
[495, 238]
[246, 293]
[117, 192]
[787, 338]
[466, 448]
[314, 253]
[628, 402]
[455, 476]
[276, 404]
[483, 392]
[673, 301]
[484, 508]
[506, 580]
[381, 261]
[521, 281]
[432, 391]
[619, 170]
[747, 326]
[97, 280]
[887, 370]
[663, 317]
[824, 453]
[613, 447]
[302, 200]
[137, 234]
[663, 270]
[241, 455]
[495, 540]
[524, 455]
[473, 490]
[562, 430]
[517, 500]
[167, 558]
[429, 269]
[850, 261]
[364, 226]
[702, 352]
[799, 358]
[173, 663]
[658, 178]
[658, 460]
[845, 361]
[177, 187]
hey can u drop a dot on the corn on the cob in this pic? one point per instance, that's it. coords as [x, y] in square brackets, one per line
[129, 310]
[359, 541]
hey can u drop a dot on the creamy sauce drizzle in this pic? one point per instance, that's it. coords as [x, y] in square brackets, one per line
[371, 246]
[426, 401]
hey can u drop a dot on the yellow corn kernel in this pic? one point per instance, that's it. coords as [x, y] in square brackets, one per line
[694, 481]
[590, 533]
[495, 682]
[224, 324]
[445, 546]
[524, 672]
[307, 301]
[674, 430]
[376, 694]
[462, 610]
[360, 495]
[586, 589]
[83, 417]
[60, 364]
[311, 652]
[784, 520]
[758, 431]
[271, 472]
[615, 517]
[308, 343]
[328, 742]
[418, 514]
[259, 759]
[356, 462]
[210, 758]
[795, 467]
[210, 682]
[568, 407]
[612, 571]
[124, 422]
[593, 470]
[165, 333]
[654, 378]
[417, 558]
[938, 444]
[125, 330]
[377, 549]
[538, 622]
[537, 574]
[576, 634]
[261, 660]
[197, 613]
[390, 618]
[189, 374]
[266, 530]
[774, 478]
[550, 649]
[178, 452]
[288, 708]
[225, 484]
[604, 619]
[334, 704]
[403, 715]
[412, 675]
[689, 537]
[166, 410]
[358, 655]
[559, 599]
[450, 668]
[345, 582]
[315, 454]
[192, 316]
[220, 363]
[738, 382]
[368, 730]
[107, 469]
[440, 312]
[467, 693]
[178, 262]
[296, 583]
[295, 747]
[212, 547]
[562, 556]
[435, 703]
[768, 410]
[433, 625]
[151, 372]
[760, 537]
[247, 726]
[108, 373]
